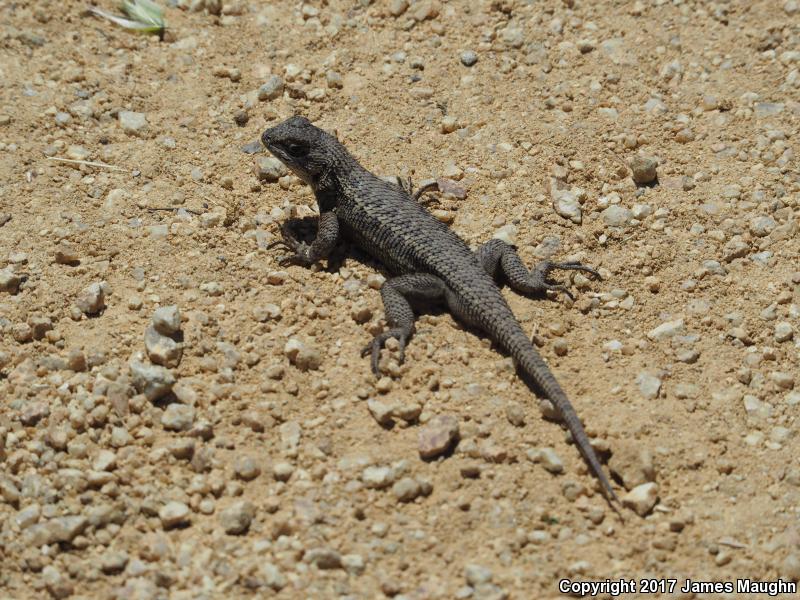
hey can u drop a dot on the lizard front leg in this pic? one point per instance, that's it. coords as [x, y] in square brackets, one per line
[496, 255]
[307, 254]
[396, 293]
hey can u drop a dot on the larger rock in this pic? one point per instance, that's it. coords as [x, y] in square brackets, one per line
[762, 226]
[642, 498]
[437, 436]
[324, 558]
[649, 384]
[56, 582]
[643, 169]
[167, 320]
[302, 355]
[91, 299]
[633, 464]
[174, 514]
[237, 517]
[272, 576]
[269, 169]
[161, 349]
[9, 281]
[378, 478]
[567, 205]
[132, 122]
[178, 417]
[60, 529]
[617, 216]
[153, 381]
[667, 330]
[272, 89]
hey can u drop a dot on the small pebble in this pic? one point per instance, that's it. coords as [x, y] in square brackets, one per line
[9, 280]
[272, 89]
[641, 499]
[167, 320]
[269, 169]
[132, 122]
[649, 385]
[174, 514]
[236, 519]
[153, 381]
[783, 331]
[178, 417]
[469, 58]
[282, 471]
[58, 584]
[91, 299]
[667, 330]
[378, 477]
[398, 7]
[246, 468]
[381, 411]
[302, 355]
[406, 489]
[66, 254]
[644, 169]
[617, 216]
[449, 124]
[476, 575]
[438, 435]
[515, 414]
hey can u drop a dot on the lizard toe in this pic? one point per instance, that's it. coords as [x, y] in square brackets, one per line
[574, 265]
[561, 289]
[377, 344]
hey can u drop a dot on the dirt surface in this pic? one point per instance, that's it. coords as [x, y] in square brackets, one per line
[257, 465]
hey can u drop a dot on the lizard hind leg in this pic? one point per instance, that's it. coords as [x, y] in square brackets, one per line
[396, 294]
[498, 256]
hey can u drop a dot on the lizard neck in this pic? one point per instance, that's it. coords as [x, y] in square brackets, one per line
[331, 185]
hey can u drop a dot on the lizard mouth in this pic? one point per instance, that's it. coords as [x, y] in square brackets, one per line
[266, 140]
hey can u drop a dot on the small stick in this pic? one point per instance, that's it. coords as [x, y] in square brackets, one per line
[86, 162]
[175, 208]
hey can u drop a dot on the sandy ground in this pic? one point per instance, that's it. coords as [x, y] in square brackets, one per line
[253, 464]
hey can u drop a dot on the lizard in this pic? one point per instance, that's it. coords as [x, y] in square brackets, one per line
[428, 261]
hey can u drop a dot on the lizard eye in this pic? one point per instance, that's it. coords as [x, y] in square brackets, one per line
[297, 150]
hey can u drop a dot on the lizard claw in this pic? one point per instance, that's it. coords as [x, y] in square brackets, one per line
[574, 265]
[287, 241]
[406, 184]
[298, 258]
[289, 259]
[298, 249]
[541, 281]
[560, 288]
[378, 342]
[279, 244]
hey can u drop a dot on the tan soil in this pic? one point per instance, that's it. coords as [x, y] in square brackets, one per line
[721, 433]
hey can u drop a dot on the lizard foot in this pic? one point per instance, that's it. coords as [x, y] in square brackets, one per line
[543, 269]
[407, 185]
[287, 241]
[378, 342]
[299, 258]
[299, 250]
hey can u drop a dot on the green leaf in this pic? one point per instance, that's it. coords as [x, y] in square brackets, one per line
[144, 11]
[144, 16]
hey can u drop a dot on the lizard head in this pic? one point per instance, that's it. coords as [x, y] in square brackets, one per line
[307, 150]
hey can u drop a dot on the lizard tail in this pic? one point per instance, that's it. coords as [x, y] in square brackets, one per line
[537, 372]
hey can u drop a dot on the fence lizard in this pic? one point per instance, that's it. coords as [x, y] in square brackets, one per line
[430, 263]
